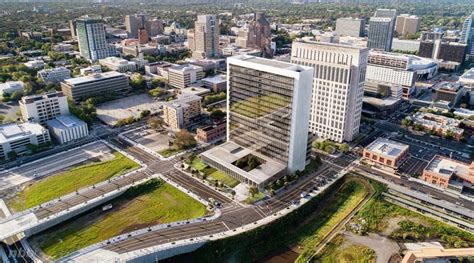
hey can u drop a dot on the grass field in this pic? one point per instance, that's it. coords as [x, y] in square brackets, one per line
[334, 252]
[220, 176]
[224, 178]
[169, 152]
[351, 194]
[151, 203]
[69, 181]
[413, 227]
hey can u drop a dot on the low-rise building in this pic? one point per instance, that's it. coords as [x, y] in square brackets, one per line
[42, 108]
[212, 133]
[449, 174]
[34, 64]
[449, 92]
[434, 252]
[67, 128]
[467, 80]
[386, 152]
[80, 88]
[54, 75]
[181, 76]
[217, 83]
[159, 68]
[118, 64]
[440, 125]
[94, 69]
[179, 113]
[17, 137]
[10, 87]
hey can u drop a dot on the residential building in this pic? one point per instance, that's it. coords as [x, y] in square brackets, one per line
[467, 36]
[42, 108]
[217, 83]
[54, 75]
[16, 137]
[181, 76]
[67, 128]
[449, 174]
[407, 25]
[212, 133]
[338, 87]
[381, 27]
[180, 113]
[203, 41]
[80, 88]
[388, 153]
[353, 27]
[118, 64]
[91, 37]
[267, 121]
[438, 124]
[10, 87]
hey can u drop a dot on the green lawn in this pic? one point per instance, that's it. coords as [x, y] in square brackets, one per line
[69, 181]
[255, 198]
[224, 178]
[151, 203]
[220, 176]
[334, 252]
[169, 152]
[346, 200]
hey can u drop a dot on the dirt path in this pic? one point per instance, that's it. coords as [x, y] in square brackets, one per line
[384, 247]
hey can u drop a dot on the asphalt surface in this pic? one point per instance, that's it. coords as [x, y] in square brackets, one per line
[45, 166]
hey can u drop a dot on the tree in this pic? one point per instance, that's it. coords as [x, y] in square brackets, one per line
[158, 83]
[157, 92]
[12, 155]
[138, 83]
[184, 140]
[253, 191]
[156, 123]
[217, 114]
[144, 114]
[16, 95]
[344, 148]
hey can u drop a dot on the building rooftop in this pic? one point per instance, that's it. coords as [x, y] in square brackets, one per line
[65, 122]
[185, 67]
[226, 154]
[93, 77]
[386, 147]
[257, 62]
[116, 61]
[216, 79]
[32, 98]
[449, 87]
[195, 90]
[182, 101]
[468, 76]
[11, 85]
[447, 167]
[14, 131]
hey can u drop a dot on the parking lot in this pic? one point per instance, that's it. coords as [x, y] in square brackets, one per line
[156, 141]
[412, 166]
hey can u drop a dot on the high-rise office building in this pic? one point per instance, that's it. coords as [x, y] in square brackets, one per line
[381, 27]
[204, 39]
[133, 23]
[338, 87]
[91, 37]
[260, 35]
[353, 27]
[267, 129]
[407, 25]
[467, 36]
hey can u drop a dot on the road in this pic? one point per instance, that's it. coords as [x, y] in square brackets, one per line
[48, 165]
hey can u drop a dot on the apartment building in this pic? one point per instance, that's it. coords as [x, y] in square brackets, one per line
[80, 88]
[179, 113]
[54, 75]
[92, 39]
[338, 87]
[42, 108]
[181, 76]
[16, 137]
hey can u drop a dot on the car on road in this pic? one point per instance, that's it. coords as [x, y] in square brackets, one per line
[304, 194]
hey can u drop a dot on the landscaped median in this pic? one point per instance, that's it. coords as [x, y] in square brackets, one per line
[55, 186]
[152, 203]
